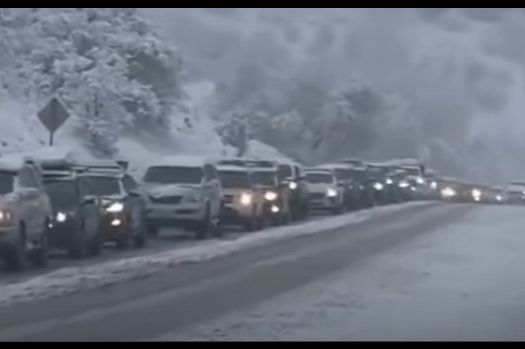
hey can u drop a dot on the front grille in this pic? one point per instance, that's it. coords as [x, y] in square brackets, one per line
[171, 200]
[316, 196]
[228, 199]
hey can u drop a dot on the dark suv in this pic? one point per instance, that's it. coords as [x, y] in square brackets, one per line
[123, 208]
[76, 217]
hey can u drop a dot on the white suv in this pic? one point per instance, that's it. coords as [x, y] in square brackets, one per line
[186, 192]
[325, 194]
[25, 213]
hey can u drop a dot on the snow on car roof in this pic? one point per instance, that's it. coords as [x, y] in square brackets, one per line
[232, 168]
[184, 161]
[13, 162]
[336, 166]
[318, 170]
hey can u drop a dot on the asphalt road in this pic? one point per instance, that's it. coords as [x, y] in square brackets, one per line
[181, 298]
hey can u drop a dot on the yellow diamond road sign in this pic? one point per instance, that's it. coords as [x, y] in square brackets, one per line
[53, 115]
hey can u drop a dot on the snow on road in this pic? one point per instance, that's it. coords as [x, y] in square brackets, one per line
[72, 279]
[462, 282]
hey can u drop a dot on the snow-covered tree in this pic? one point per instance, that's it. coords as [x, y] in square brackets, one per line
[109, 66]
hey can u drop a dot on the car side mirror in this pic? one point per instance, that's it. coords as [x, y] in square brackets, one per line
[134, 193]
[89, 201]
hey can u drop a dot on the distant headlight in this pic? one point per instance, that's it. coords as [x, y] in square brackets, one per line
[115, 207]
[270, 195]
[389, 181]
[61, 217]
[448, 192]
[293, 185]
[404, 184]
[433, 185]
[378, 186]
[420, 180]
[499, 198]
[5, 217]
[331, 192]
[275, 209]
[246, 199]
[476, 194]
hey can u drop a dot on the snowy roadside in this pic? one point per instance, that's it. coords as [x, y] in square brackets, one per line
[72, 279]
[462, 282]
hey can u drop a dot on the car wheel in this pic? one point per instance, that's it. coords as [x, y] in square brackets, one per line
[96, 245]
[16, 257]
[41, 255]
[79, 244]
[203, 228]
[152, 228]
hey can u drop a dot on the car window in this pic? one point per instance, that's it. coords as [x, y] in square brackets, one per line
[129, 183]
[62, 194]
[7, 182]
[318, 178]
[263, 178]
[235, 179]
[284, 171]
[103, 186]
[210, 172]
[174, 175]
[27, 179]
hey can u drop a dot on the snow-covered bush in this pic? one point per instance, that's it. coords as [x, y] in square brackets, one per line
[109, 66]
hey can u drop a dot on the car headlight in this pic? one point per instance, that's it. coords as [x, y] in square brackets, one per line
[61, 217]
[499, 198]
[476, 193]
[404, 184]
[330, 192]
[275, 209]
[448, 192]
[420, 180]
[246, 199]
[378, 186]
[293, 185]
[5, 217]
[433, 185]
[270, 195]
[389, 181]
[191, 197]
[115, 207]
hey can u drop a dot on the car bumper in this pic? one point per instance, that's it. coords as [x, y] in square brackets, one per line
[324, 203]
[61, 233]
[234, 214]
[7, 238]
[175, 213]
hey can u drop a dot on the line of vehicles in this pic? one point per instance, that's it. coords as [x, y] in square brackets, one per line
[79, 205]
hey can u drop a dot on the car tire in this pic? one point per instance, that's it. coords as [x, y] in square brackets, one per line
[79, 246]
[153, 229]
[95, 248]
[16, 256]
[41, 254]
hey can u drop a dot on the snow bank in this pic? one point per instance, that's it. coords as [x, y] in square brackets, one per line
[73, 279]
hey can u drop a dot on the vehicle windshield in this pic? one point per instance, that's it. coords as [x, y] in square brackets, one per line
[103, 186]
[516, 187]
[284, 172]
[174, 175]
[7, 182]
[412, 171]
[234, 179]
[318, 178]
[62, 194]
[343, 174]
[266, 178]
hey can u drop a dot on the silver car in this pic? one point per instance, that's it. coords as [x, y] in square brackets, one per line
[25, 213]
